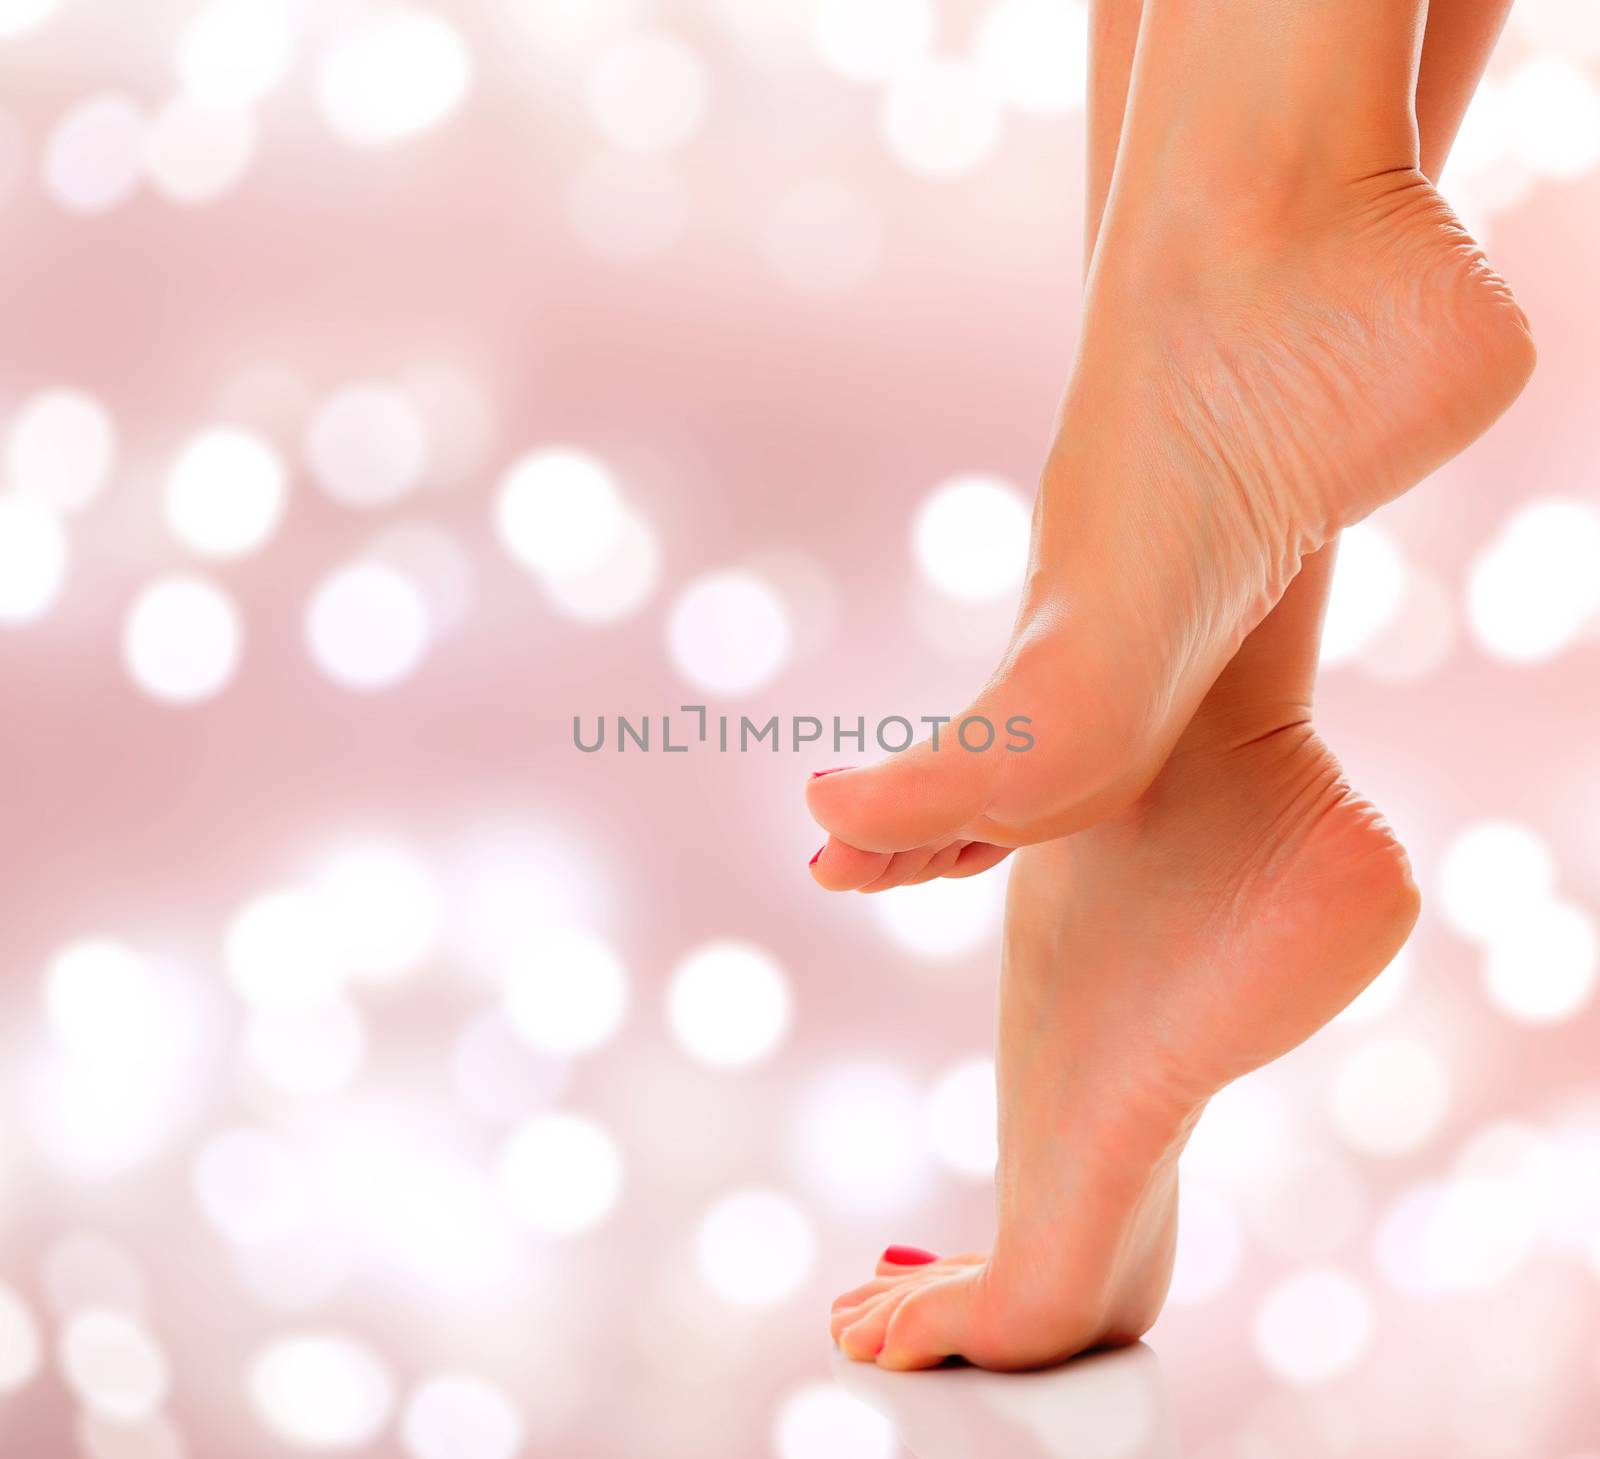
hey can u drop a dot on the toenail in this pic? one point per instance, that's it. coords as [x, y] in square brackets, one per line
[820, 850]
[909, 1256]
[818, 774]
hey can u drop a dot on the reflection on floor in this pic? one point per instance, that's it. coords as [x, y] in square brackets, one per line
[1104, 1406]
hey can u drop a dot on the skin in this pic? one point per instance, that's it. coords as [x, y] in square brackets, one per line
[1119, 973]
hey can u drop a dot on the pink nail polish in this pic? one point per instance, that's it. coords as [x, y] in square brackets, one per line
[909, 1256]
[820, 850]
[818, 774]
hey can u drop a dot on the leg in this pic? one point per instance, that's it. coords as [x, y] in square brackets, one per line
[1276, 341]
[1113, 1031]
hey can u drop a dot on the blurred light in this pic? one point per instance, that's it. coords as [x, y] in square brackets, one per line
[1554, 113]
[311, 1050]
[871, 40]
[1247, 1131]
[1398, 1247]
[1418, 639]
[822, 237]
[822, 1421]
[438, 565]
[17, 17]
[944, 919]
[960, 1119]
[1313, 1327]
[1210, 1247]
[1480, 1233]
[729, 632]
[1542, 967]
[368, 446]
[194, 153]
[152, 1438]
[567, 993]
[397, 72]
[33, 560]
[574, 25]
[96, 992]
[1390, 1096]
[1533, 590]
[1369, 589]
[83, 1270]
[971, 537]
[627, 207]
[113, 1364]
[619, 586]
[61, 449]
[1035, 55]
[251, 1187]
[182, 639]
[940, 119]
[1381, 995]
[225, 496]
[651, 93]
[755, 1248]
[367, 627]
[233, 53]
[1313, 1204]
[1493, 875]
[1484, 140]
[497, 1076]
[562, 1174]
[856, 1140]
[459, 1416]
[19, 1343]
[728, 1004]
[383, 907]
[559, 513]
[1570, 27]
[510, 885]
[281, 951]
[94, 154]
[322, 1391]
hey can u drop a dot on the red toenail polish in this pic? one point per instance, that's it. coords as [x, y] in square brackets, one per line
[818, 774]
[909, 1256]
[820, 850]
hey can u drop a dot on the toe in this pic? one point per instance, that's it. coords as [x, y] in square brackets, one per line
[977, 856]
[903, 867]
[928, 1325]
[909, 800]
[864, 1338]
[939, 865]
[840, 867]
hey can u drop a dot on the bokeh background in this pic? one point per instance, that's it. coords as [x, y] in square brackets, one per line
[386, 384]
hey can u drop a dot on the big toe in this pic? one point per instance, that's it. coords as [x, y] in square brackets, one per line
[907, 801]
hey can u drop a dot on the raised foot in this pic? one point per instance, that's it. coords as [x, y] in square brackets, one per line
[1237, 401]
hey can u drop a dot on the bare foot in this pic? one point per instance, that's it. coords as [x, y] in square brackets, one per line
[1244, 899]
[1238, 398]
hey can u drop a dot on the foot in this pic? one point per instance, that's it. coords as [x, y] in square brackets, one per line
[1237, 400]
[1242, 901]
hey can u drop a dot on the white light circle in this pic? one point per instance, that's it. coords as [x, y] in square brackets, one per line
[281, 950]
[1542, 968]
[960, 1119]
[1533, 590]
[755, 1248]
[1492, 875]
[233, 53]
[729, 632]
[559, 513]
[822, 1421]
[871, 40]
[439, 565]
[367, 627]
[225, 496]
[33, 560]
[943, 920]
[20, 1348]
[566, 993]
[251, 1187]
[18, 17]
[94, 154]
[562, 1173]
[460, 1416]
[822, 237]
[729, 1004]
[392, 75]
[113, 1364]
[940, 119]
[368, 446]
[384, 906]
[650, 94]
[1035, 55]
[311, 1050]
[1390, 1096]
[619, 586]
[1369, 589]
[1313, 1327]
[970, 538]
[856, 1139]
[61, 449]
[194, 153]
[322, 1391]
[95, 991]
[182, 639]
[1553, 109]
